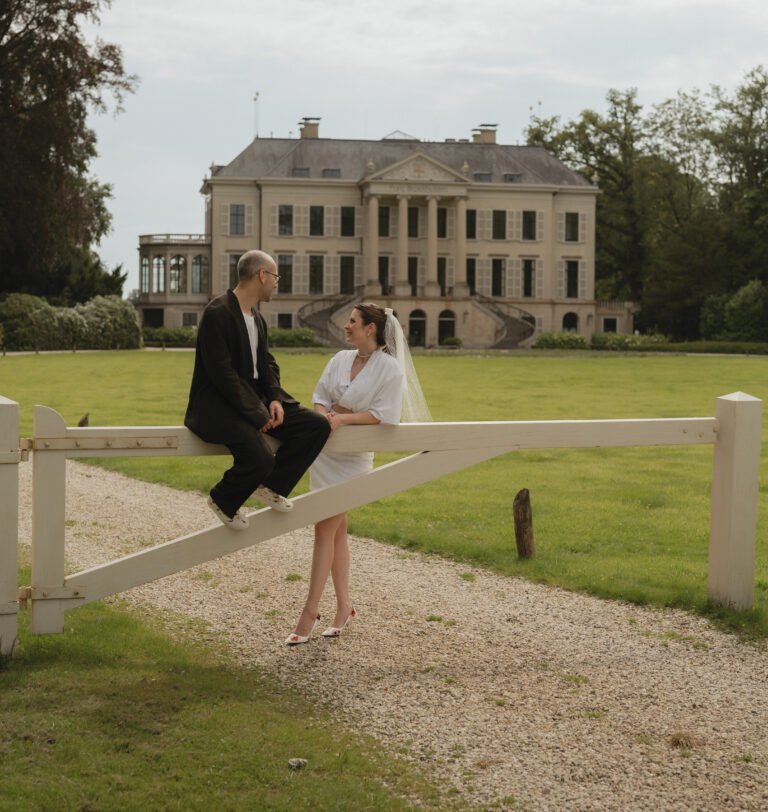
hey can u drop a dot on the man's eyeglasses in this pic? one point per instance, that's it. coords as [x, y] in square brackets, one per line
[272, 273]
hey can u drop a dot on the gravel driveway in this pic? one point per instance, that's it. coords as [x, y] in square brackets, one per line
[517, 694]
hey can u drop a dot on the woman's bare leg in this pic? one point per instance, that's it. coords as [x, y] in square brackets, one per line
[322, 561]
[340, 573]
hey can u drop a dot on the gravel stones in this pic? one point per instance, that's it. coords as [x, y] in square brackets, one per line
[511, 692]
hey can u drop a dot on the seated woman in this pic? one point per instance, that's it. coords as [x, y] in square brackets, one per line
[363, 386]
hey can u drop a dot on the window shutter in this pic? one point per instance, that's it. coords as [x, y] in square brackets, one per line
[539, 324]
[301, 274]
[515, 225]
[394, 222]
[539, 279]
[484, 219]
[539, 226]
[333, 220]
[561, 280]
[421, 272]
[561, 226]
[582, 227]
[271, 320]
[392, 270]
[422, 221]
[582, 280]
[483, 276]
[450, 274]
[331, 282]
[249, 221]
[273, 220]
[301, 221]
[514, 280]
[358, 220]
[224, 277]
[358, 268]
[451, 223]
[225, 219]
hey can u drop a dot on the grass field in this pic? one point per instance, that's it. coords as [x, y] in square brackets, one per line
[113, 715]
[623, 523]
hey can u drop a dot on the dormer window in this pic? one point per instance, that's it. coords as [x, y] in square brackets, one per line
[331, 173]
[300, 172]
[482, 177]
[513, 177]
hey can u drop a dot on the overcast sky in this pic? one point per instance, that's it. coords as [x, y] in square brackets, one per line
[432, 68]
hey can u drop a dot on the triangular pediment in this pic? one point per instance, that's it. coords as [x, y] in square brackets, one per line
[418, 167]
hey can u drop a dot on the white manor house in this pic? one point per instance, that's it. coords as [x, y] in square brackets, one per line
[486, 242]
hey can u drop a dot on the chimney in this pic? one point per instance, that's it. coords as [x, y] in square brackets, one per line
[484, 134]
[309, 127]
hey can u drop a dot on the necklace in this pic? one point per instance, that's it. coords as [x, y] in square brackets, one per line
[364, 357]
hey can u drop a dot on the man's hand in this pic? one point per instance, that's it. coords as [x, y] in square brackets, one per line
[276, 415]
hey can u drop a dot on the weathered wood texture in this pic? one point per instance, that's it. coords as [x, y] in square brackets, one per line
[9, 522]
[523, 517]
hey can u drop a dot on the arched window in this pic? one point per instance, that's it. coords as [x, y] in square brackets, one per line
[177, 277]
[446, 326]
[158, 274]
[570, 323]
[200, 281]
[417, 328]
[144, 276]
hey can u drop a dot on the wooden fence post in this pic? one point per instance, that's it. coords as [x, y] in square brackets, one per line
[9, 523]
[734, 501]
[523, 516]
[48, 500]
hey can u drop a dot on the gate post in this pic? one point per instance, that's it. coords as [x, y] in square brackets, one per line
[734, 501]
[48, 498]
[10, 457]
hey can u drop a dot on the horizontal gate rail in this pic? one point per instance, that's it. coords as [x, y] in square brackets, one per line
[441, 448]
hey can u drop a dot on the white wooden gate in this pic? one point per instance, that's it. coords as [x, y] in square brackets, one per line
[442, 448]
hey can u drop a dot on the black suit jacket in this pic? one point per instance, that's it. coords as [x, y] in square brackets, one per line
[222, 390]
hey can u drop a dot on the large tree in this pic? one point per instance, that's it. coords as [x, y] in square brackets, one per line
[51, 77]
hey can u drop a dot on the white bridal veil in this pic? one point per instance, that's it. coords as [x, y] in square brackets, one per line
[415, 409]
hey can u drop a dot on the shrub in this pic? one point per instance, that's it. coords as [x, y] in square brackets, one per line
[111, 322]
[451, 341]
[617, 341]
[300, 337]
[170, 336]
[560, 341]
[28, 323]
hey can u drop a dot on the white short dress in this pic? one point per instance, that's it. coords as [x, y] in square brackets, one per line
[377, 388]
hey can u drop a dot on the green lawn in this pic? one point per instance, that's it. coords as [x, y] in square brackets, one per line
[625, 523]
[114, 715]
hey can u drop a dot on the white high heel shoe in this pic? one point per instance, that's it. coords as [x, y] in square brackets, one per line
[335, 631]
[297, 639]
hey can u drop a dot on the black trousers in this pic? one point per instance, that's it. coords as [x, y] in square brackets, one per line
[302, 436]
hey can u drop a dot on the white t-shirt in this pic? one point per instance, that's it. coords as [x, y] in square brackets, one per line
[253, 336]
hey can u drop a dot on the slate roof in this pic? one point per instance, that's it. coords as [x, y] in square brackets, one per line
[278, 157]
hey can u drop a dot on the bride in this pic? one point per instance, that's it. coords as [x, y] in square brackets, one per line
[370, 384]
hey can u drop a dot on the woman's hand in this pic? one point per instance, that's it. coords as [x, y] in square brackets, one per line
[334, 419]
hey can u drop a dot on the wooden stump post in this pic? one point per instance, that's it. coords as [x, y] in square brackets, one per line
[521, 511]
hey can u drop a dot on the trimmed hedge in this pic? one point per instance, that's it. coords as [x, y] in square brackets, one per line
[618, 341]
[560, 341]
[186, 337]
[105, 322]
[169, 336]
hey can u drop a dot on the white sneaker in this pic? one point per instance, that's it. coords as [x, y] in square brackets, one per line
[238, 522]
[274, 500]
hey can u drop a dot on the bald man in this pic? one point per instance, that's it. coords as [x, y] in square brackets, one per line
[236, 399]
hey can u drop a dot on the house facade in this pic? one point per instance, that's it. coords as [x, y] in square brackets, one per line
[472, 240]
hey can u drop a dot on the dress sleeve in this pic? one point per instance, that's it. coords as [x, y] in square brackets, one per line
[324, 387]
[387, 399]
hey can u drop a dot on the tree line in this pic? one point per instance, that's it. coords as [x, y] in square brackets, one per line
[52, 211]
[682, 214]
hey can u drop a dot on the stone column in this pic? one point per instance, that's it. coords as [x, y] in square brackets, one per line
[402, 286]
[460, 286]
[432, 288]
[372, 285]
